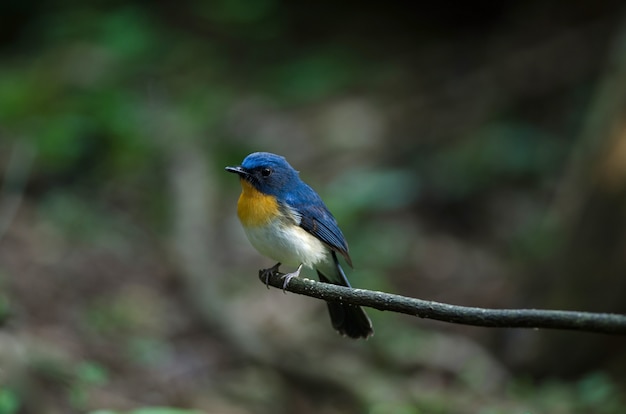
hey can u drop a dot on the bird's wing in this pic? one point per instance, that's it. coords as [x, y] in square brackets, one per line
[315, 218]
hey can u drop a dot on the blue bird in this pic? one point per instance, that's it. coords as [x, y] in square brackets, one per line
[287, 221]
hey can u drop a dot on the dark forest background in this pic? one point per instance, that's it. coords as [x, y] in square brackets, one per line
[473, 153]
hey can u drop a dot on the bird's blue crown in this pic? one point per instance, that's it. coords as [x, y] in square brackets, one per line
[270, 173]
[265, 159]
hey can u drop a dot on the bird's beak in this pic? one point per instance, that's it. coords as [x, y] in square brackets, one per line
[238, 170]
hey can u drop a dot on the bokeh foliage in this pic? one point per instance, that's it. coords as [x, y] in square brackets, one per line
[448, 141]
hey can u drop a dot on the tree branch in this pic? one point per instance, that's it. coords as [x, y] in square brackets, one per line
[608, 323]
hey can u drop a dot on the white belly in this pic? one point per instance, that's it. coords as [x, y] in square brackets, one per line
[290, 245]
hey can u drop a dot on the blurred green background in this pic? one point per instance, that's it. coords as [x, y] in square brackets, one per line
[473, 153]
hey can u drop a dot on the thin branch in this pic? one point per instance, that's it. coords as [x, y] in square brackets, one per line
[608, 323]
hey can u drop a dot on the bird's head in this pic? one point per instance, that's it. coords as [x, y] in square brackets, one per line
[268, 173]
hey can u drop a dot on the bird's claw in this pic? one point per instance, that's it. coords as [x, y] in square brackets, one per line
[269, 272]
[288, 276]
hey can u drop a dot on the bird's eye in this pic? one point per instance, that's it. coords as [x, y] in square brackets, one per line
[265, 172]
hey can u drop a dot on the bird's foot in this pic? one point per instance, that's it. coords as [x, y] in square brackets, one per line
[288, 276]
[269, 272]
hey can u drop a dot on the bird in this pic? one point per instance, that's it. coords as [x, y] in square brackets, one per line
[287, 221]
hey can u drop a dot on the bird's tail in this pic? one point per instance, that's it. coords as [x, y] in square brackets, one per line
[349, 320]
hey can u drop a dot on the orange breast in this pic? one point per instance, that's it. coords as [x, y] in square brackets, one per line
[255, 208]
